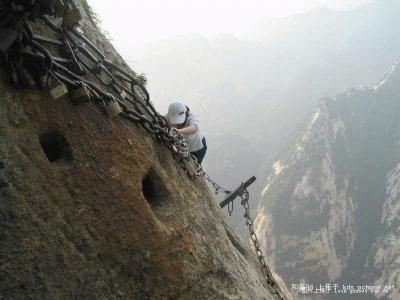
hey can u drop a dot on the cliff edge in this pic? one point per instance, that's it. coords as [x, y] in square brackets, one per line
[95, 208]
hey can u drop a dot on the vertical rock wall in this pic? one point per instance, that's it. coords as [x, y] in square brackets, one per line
[94, 208]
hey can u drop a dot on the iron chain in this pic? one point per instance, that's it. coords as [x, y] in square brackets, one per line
[264, 267]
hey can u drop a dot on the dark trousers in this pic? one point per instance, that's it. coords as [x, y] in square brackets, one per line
[199, 154]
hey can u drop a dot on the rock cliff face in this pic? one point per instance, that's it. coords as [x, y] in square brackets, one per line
[330, 210]
[94, 208]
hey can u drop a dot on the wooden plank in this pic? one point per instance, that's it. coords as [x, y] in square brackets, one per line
[237, 192]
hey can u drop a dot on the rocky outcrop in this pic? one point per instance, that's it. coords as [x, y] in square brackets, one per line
[384, 256]
[94, 208]
[316, 232]
[329, 210]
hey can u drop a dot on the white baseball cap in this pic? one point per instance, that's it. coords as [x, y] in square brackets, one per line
[176, 113]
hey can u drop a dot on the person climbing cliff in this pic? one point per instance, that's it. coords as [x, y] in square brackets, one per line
[188, 124]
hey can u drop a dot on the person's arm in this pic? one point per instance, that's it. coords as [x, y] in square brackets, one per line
[188, 130]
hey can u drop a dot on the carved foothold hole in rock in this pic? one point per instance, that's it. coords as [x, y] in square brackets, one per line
[55, 146]
[153, 188]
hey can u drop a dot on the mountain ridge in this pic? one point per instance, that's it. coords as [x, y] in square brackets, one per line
[328, 204]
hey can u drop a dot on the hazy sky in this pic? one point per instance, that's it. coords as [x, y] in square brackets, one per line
[133, 22]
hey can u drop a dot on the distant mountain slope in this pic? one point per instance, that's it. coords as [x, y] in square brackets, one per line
[329, 212]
